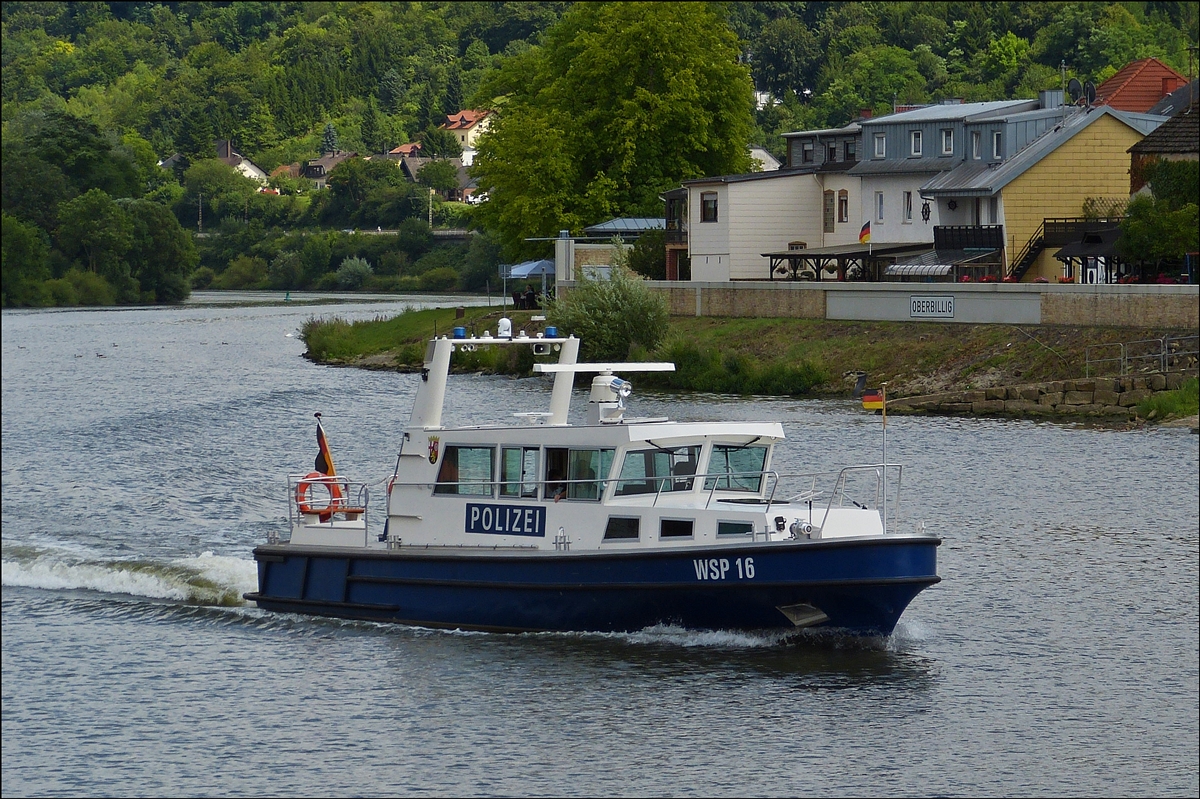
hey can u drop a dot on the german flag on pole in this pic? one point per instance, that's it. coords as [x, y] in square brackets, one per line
[324, 462]
[872, 400]
[864, 235]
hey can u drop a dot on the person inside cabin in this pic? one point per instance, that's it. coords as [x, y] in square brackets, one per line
[556, 474]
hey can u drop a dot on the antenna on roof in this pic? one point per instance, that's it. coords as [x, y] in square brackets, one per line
[1089, 92]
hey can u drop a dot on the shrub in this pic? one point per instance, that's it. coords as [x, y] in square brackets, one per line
[1183, 402]
[444, 278]
[244, 272]
[202, 278]
[90, 288]
[60, 292]
[353, 273]
[611, 315]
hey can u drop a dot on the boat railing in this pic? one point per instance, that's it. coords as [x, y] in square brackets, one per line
[330, 498]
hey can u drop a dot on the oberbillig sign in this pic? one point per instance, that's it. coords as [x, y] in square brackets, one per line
[936, 307]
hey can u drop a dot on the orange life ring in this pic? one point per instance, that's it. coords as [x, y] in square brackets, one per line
[330, 483]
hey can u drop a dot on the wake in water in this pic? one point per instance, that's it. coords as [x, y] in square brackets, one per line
[204, 579]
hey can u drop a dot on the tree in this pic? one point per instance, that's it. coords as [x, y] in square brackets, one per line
[370, 132]
[621, 102]
[94, 224]
[438, 143]
[439, 175]
[353, 273]
[25, 262]
[329, 139]
[162, 254]
[784, 56]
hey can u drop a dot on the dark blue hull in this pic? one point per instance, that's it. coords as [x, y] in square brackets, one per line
[860, 585]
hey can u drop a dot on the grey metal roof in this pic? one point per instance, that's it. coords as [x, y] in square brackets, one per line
[902, 166]
[853, 127]
[937, 113]
[969, 179]
[775, 173]
[626, 225]
[946, 258]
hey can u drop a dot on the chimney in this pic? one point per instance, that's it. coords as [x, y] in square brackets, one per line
[865, 113]
[1050, 98]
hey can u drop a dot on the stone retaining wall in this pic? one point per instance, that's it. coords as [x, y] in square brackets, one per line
[1096, 396]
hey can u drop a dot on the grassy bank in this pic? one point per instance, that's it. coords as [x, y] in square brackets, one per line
[761, 356]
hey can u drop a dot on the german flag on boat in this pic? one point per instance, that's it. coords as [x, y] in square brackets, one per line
[872, 399]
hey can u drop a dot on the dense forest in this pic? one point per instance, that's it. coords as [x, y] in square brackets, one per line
[599, 108]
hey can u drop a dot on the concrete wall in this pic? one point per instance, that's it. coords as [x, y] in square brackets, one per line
[998, 303]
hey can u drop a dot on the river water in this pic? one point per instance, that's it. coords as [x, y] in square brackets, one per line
[144, 456]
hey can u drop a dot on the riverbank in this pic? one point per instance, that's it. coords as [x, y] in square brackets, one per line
[915, 359]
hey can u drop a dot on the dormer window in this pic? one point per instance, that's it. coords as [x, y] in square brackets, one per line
[914, 138]
[806, 153]
[947, 141]
[850, 150]
[975, 145]
[830, 153]
[996, 139]
[880, 145]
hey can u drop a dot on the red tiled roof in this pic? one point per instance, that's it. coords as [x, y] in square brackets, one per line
[463, 120]
[406, 149]
[1139, 85]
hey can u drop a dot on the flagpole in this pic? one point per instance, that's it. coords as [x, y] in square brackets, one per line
[884, 388]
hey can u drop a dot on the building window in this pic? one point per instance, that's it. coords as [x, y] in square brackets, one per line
[843, 206]
[830, 153]
[994, 209]
[806, 153]
[827, 211]
[915, 139]
[878, 206]
[880, 145]
[947, 141]
[708, 206]
[975, 144]
[850, 151]
[996, 138]
[907, 211]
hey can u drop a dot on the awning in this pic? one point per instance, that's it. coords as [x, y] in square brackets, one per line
[1095, 244]
[528, 268]
[918, 269]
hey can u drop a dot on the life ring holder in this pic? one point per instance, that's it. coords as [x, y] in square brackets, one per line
[306, 483]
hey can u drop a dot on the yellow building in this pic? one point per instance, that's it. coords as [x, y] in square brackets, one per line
[1085, 155]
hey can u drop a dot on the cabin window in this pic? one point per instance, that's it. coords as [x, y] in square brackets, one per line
[576, 473]
[736, 468]
[880, 145]
[947, 141]
[466, 471]
[708, 206]
[734, 528]
[622, 528]
[518, 472]
[915, 140]
[843, 206]
[649, 471]
[806, 153]
[675, 528]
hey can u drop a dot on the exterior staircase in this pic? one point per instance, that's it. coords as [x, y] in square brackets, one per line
[1033, 248]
